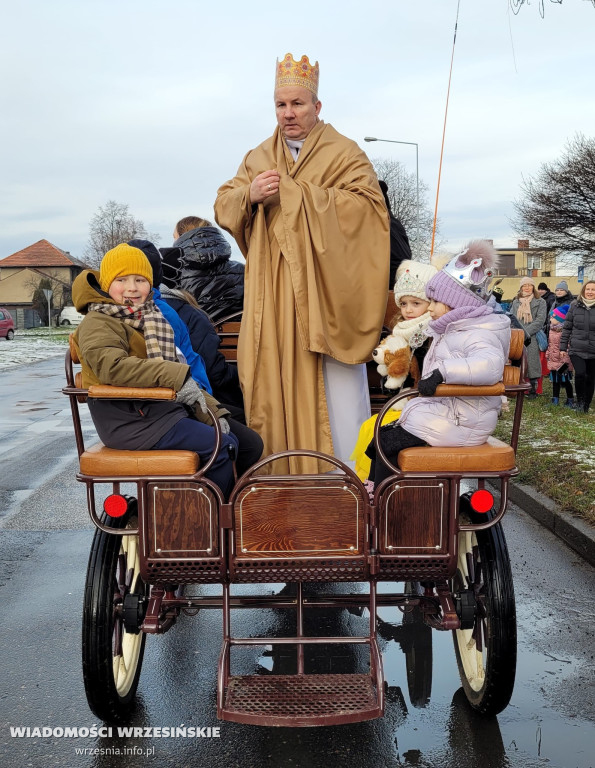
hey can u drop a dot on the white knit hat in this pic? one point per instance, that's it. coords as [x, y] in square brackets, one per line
[412, 277]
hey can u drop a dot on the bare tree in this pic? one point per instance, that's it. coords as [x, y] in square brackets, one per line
[61, 291]
[516, 5]
[402, 194]
[113, 224]
[557, 207]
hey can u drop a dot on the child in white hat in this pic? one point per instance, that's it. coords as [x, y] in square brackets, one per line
[403, 351]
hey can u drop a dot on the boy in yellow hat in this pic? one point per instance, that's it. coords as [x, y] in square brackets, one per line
[124, 340]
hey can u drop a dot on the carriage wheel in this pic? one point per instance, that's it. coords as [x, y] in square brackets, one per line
[486, 653]
[417, 644]
[112, 656]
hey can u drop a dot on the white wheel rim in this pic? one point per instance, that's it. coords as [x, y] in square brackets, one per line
[126, 663]
[472, 659]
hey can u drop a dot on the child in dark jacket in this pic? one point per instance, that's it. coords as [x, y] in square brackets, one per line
[559, 365]
[125, 341]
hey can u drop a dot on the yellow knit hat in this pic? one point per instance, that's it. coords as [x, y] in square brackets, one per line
[121, 261]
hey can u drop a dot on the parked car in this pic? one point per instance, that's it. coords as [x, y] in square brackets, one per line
[69, 316]
[6, 324]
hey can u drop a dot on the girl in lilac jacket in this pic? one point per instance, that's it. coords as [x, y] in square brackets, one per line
[470, 346]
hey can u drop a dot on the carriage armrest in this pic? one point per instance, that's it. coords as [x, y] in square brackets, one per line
[464, 390]
[107, 391]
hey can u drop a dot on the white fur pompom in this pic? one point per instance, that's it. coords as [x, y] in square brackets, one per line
[478, 249]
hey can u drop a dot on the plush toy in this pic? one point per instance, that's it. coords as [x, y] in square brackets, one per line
[395, 361]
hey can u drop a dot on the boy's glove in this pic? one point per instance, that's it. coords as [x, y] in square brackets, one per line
[224, 424]
[427, 386]
[190, 394]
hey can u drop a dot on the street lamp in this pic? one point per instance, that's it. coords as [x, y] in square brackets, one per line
[413, 144]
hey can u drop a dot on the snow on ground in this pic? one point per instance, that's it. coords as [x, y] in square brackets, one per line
[29, 349]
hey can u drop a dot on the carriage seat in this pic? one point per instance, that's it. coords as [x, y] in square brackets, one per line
[492, 456]
[99, 461]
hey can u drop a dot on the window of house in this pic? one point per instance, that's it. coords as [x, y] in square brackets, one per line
[534, 261]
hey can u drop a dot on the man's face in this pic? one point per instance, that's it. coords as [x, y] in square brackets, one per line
[541, 291]
[296, 113]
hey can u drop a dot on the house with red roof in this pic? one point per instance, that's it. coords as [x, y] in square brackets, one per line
[21, 273]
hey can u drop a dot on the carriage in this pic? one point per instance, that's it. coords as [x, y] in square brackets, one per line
[433, 529]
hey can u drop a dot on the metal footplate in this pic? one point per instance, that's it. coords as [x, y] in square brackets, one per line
[302, 700]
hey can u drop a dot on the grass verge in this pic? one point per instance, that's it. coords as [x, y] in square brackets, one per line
[59, 334]
[556, 453]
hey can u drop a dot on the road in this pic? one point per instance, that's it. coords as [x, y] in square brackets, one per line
[45, 537]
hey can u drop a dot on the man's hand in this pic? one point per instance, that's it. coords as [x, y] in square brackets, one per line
[264, 185]
[427, 386]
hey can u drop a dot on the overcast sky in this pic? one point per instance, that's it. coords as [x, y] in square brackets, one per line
[154, 103]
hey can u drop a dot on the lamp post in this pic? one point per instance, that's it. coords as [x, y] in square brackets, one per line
[413, 144]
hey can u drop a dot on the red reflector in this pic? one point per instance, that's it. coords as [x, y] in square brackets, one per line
[482, 501]
[115, 506]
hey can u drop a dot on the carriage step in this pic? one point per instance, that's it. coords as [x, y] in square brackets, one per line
[301, 700]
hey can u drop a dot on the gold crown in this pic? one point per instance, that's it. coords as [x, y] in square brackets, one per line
[292, 72]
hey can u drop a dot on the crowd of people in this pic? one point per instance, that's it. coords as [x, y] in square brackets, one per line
[321, 245]
[566, 350]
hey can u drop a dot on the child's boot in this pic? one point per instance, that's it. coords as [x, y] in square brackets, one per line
[555, 401]
[569, 402]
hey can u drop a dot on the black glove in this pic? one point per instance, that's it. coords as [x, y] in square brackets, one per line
[427, 386]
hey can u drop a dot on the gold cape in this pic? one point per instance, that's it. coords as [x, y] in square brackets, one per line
[317, 260]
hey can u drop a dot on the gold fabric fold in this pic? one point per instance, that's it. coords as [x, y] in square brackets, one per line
[317, 260]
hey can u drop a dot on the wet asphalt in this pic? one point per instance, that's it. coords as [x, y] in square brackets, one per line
[45, 537]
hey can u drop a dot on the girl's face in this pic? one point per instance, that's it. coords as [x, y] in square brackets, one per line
[589, 291]
[130, 290]
[412, 307]
[527, 289]
[437, 309]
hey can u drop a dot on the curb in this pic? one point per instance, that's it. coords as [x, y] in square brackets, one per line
[577, 534]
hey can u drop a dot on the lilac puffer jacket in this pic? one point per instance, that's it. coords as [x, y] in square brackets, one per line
[470, 351]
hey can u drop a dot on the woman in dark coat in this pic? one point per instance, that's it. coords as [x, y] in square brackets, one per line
[578, 340]
[207, 272]
[531, 311]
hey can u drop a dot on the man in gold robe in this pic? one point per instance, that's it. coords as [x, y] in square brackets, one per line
[308, 215]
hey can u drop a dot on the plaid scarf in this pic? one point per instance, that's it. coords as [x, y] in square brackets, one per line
[158, 333]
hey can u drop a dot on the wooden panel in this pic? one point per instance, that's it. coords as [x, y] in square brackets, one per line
[182, 521]
[228, 333]
[415, 518]
[284, 517]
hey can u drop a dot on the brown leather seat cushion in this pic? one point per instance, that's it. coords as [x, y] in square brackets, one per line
[492, 456]
[99, 461]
